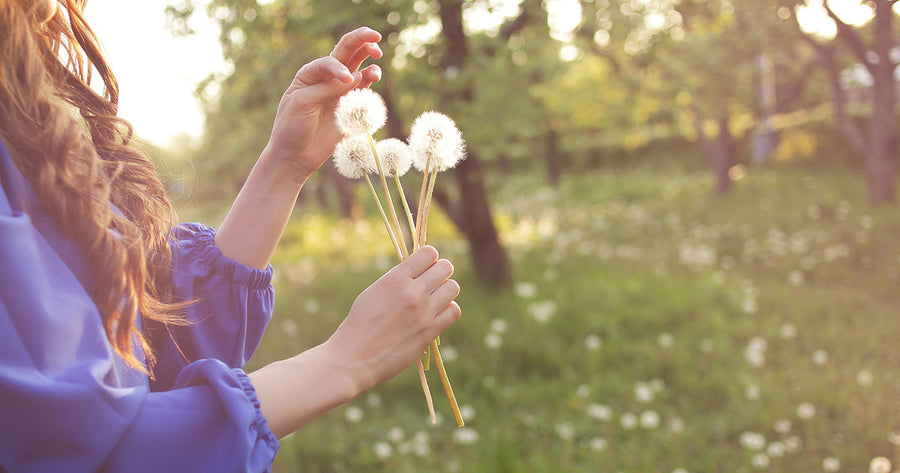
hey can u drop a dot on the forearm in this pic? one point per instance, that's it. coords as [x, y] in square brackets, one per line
[295, 391]
[259, 215]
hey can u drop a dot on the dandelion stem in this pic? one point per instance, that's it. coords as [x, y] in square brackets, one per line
[409, 217]
[387, 224]
[445, 380]
[387, 196]
[418, 242]
[427, 392]
[428, 358]
[423, 227]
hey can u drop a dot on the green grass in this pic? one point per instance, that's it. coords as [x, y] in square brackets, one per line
[637, 294]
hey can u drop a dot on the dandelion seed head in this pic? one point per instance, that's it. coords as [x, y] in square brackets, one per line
[760, 461]
[628, 421]
[435, 134]
[599, 412]
[395, 156]
[806, 411]
[353, 414]
[753, 441]
[592, 342]
[820, 357]
[493, 340]
[360, 111]
[649, 420]
[465, 436]
[565, 430]
[880, 465]
[831, 464]
[353, 158]
[776, 449]
[598, 444]
[782, 426]
[382, 450]
[864, 377]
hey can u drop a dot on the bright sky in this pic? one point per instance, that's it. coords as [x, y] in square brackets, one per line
[157, 72]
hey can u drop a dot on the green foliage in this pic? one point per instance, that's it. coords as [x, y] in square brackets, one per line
[637, 297]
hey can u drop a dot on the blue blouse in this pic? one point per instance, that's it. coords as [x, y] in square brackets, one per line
[69, 403]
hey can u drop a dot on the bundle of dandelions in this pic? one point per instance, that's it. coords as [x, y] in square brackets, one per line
[435, 145]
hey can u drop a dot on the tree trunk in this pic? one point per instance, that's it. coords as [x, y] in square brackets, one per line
[488, 255]
[554, 157]
[721, 153]
[489, 258]
[881, 160]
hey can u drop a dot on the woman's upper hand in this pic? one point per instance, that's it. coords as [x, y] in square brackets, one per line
[395, 318]
[305, 133]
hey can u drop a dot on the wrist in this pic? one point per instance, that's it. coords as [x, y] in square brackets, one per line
[353, 378]
[284, 165]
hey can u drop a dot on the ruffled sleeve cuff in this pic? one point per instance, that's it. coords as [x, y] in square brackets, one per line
[195, 242]
[259, 425]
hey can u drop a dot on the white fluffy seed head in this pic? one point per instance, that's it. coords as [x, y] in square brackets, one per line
[360, 111]
[435, 134]
[353, 157]
[395, 155]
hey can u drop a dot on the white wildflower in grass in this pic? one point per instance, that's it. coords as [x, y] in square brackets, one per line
[583, 391]
[382, 450]
[360, 112]
[650, 420]
[776, 449]
[752, 392]
[676, 425]
[290, 328]
[666, 340]
[592, 342]
[352, 158]
[894, 439]
[465, 436]
[599, 412]
[565, 430]
[451, 354]
[880, 465]
[820, 357]
[831, 464]
[467, 412]
[353, 414]
[753, 441]
[788, 331]
[679, 470]
[782, 426]
[806, 411]
[395, 155]
[643, 392]
[864, 378]
[525, 290]
[489, 381]
[493, 341]
[373, 400]
[543, 311]
[755, 353]
[396, 434]
[793, 444]
[599, 444]
[760, 461]
[628, 421]
[499, 326]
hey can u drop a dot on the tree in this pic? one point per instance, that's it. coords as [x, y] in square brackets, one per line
[871, 45]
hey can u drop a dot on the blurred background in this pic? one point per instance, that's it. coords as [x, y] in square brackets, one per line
[676, 229]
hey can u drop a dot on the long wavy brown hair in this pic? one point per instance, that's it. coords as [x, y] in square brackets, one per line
[69, 143]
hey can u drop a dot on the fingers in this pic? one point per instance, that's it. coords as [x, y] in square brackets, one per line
[445, 318]
[353, 42]
[366, 51]
[418, 262]
[435, 275]
[324, 69]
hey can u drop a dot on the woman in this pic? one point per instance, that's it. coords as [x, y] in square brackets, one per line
[122, 341]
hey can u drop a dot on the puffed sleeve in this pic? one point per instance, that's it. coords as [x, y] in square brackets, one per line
[232, 305]
[69, 404]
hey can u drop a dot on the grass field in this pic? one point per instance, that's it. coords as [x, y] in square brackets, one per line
[651, 327]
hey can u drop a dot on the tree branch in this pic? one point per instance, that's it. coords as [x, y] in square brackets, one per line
[851, 39]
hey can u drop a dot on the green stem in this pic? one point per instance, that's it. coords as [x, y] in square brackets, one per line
[387, 224]
[426, 172]
[387, 195]
[445, 380]
[409, 217]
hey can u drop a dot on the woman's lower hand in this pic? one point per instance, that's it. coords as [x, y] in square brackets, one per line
[395, 318]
